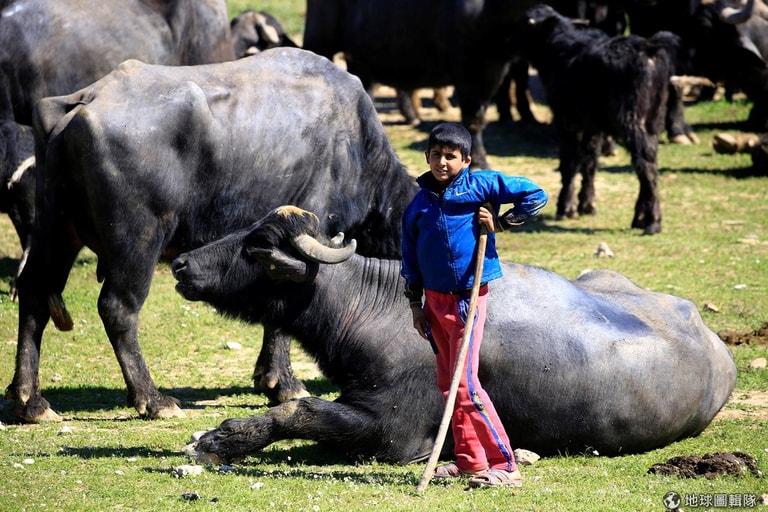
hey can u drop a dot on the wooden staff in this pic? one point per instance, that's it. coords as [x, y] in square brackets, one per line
[460, 364]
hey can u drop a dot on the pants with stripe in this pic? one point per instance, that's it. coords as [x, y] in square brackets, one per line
[480, 439]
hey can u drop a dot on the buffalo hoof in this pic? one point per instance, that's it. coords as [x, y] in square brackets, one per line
[202, 445]
[160, 408]
[168, 412]
[685, 139]
[653, 229]
[27, 414]
[278, 389]
[201, 457]
[30, 407]
[648, 227]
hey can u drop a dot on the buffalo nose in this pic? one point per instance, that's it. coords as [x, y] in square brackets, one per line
[178, 264]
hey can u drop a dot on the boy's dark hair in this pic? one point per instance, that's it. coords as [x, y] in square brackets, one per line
[452, 135]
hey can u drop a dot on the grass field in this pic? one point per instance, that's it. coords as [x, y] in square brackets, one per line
[713, 251]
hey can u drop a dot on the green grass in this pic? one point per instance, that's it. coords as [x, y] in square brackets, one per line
[104, 458]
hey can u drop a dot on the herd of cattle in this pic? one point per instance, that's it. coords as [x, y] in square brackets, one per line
[160, 126]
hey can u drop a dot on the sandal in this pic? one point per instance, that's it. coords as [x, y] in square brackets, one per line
[494, 477]
[451, 470]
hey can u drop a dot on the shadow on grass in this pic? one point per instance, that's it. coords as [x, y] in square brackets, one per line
[106, 452]
[8, 267]
[306, 462]
[68, 401]
[502, 139]
[739, 173]
[548, 224]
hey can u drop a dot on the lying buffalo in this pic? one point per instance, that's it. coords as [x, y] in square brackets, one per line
[596, 363]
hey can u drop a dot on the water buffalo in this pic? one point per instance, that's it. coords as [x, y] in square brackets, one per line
[725, 41]
[55, 47]
[600, 86]
[597, 363]
[411, 44]
[153, 160]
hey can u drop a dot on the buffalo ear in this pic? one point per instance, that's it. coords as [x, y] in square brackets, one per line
[278, 265]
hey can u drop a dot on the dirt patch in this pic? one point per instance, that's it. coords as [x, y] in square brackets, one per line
[745, 405]
[708, 466]
[757, 337]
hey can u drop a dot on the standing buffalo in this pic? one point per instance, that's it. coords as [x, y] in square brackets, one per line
[598, 363]
[55, 47]
[153, 160]
[724, 41]
[600, 86]
[411, 44]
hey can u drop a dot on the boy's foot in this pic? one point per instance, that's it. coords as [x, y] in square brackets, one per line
[451, 470]
[496, 478]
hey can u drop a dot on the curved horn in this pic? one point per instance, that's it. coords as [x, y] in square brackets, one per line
[311, 248]
[266, 30]
[734, 15]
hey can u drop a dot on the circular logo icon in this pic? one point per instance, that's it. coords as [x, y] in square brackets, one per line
[672, 500]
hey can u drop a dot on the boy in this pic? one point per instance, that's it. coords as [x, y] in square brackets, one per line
[440, 230]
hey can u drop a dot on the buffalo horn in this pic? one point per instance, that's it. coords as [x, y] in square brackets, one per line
[266, 31]
[734, 15]
[311, 248]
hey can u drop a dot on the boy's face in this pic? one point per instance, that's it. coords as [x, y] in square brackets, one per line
[445, 163]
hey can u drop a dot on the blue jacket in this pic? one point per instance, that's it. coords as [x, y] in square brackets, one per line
[440, 233]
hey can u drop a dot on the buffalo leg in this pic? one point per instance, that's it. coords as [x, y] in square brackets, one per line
[587, 164]
[441, 99]
[678, 130]
[473, 118]
[568, 150]
[523, 98]
[273, 374]
[125, 288]
[408, 103]
[39, 291]
[517, 75]
[339, 426]
[503, 99]
[643, 149]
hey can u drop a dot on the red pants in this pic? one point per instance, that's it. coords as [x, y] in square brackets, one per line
[480, 438]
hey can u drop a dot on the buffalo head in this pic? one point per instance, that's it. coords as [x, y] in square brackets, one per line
[275, 256]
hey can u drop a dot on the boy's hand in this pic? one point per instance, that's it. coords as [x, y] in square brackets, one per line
[486, 217]
[508, 219]
[419, 320]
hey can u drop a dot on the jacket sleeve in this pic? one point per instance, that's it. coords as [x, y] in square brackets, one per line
[528, 198]
[410, 268]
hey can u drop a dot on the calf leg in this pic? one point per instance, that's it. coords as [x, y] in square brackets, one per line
[587, 159]
[678, 130]
[273, 374]
[643, 148]
[568, 150]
